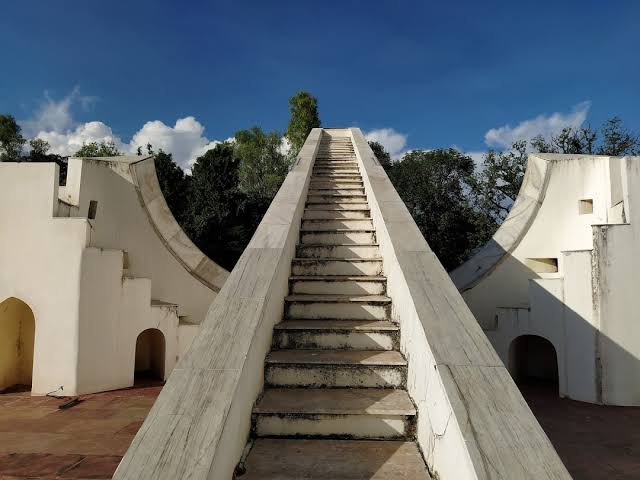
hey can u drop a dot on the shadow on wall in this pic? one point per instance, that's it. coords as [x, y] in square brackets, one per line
[589, 362]
[17, 339]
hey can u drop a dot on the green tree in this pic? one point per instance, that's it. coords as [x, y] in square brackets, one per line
[263, 167]
[216, 206]
[570, 140]
[11, 139]
[496, 185]
[98, 149]
[304, 116]
[617, 140]
[612, 139]
[39, 147]
[434, 186]
[175, 186]
[381, 154]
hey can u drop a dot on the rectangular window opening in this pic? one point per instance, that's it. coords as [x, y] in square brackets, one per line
[585, 206]
[543, 265]
[93, 209]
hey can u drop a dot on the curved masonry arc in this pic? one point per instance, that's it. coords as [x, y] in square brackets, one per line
[562, 267]
[471, 420]
[98, 261]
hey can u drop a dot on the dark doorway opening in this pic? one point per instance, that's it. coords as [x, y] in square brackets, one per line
[150, 356]
[533, 359]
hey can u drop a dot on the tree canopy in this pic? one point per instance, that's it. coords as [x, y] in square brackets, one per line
[98, 149]
[216, 205]
[304, 116]
[381, 154]
[612, 139]
[263, 166]
[11, 139]
[435, 187]
[496, 184]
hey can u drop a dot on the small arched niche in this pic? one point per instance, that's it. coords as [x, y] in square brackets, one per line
[533, 359]
[150, 355]
[17, 340]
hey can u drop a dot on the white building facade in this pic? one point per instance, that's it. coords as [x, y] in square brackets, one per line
[557, 289]
[97, 280]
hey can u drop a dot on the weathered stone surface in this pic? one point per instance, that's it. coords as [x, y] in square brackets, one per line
[472, 420]
[284, 459]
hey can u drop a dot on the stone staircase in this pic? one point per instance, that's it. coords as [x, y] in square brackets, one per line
[334, 404]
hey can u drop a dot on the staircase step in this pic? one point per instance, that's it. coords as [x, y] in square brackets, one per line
[336, 158]
[333, 152]
[336, 334]
[338, 237]
[330, 185]
[343, 307]
[335, 170]
[325, 224]
[331, 163]
[361, 413]
[338, 251]
[337, 181]
[336, 266]
[322, 162]
[338, 325]
[337, 198]
[337, 191]
[319, 214]
[338, 206]
[338, 285]
[335, 368]
[336, 176]
[293, 459]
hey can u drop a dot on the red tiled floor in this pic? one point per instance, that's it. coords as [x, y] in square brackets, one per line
[593, 441]
[39, 441]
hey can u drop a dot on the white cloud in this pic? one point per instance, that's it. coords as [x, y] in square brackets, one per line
[185, 140]
[54, 122]
[56, 116]
[393, 142]
[505, 136]
[69, 142]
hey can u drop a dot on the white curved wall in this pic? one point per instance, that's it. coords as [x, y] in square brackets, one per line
[95, 284]
[512, 298]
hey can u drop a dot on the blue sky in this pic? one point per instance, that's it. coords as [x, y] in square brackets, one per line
[438, 74]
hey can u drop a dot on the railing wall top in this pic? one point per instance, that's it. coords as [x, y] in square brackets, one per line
[473, 423]
[200, 423]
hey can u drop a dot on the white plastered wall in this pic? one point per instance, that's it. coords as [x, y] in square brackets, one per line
[94, 284]
[565, 307]
[41, 258]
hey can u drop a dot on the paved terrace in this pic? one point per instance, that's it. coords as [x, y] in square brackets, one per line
[37, 441]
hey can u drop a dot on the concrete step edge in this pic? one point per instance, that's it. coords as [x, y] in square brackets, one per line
[334, 325]
[288, 401]
[347, 358]
[331, 298]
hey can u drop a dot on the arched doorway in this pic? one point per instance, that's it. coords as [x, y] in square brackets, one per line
[150, 355]
[17, 338]
[533, 359]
